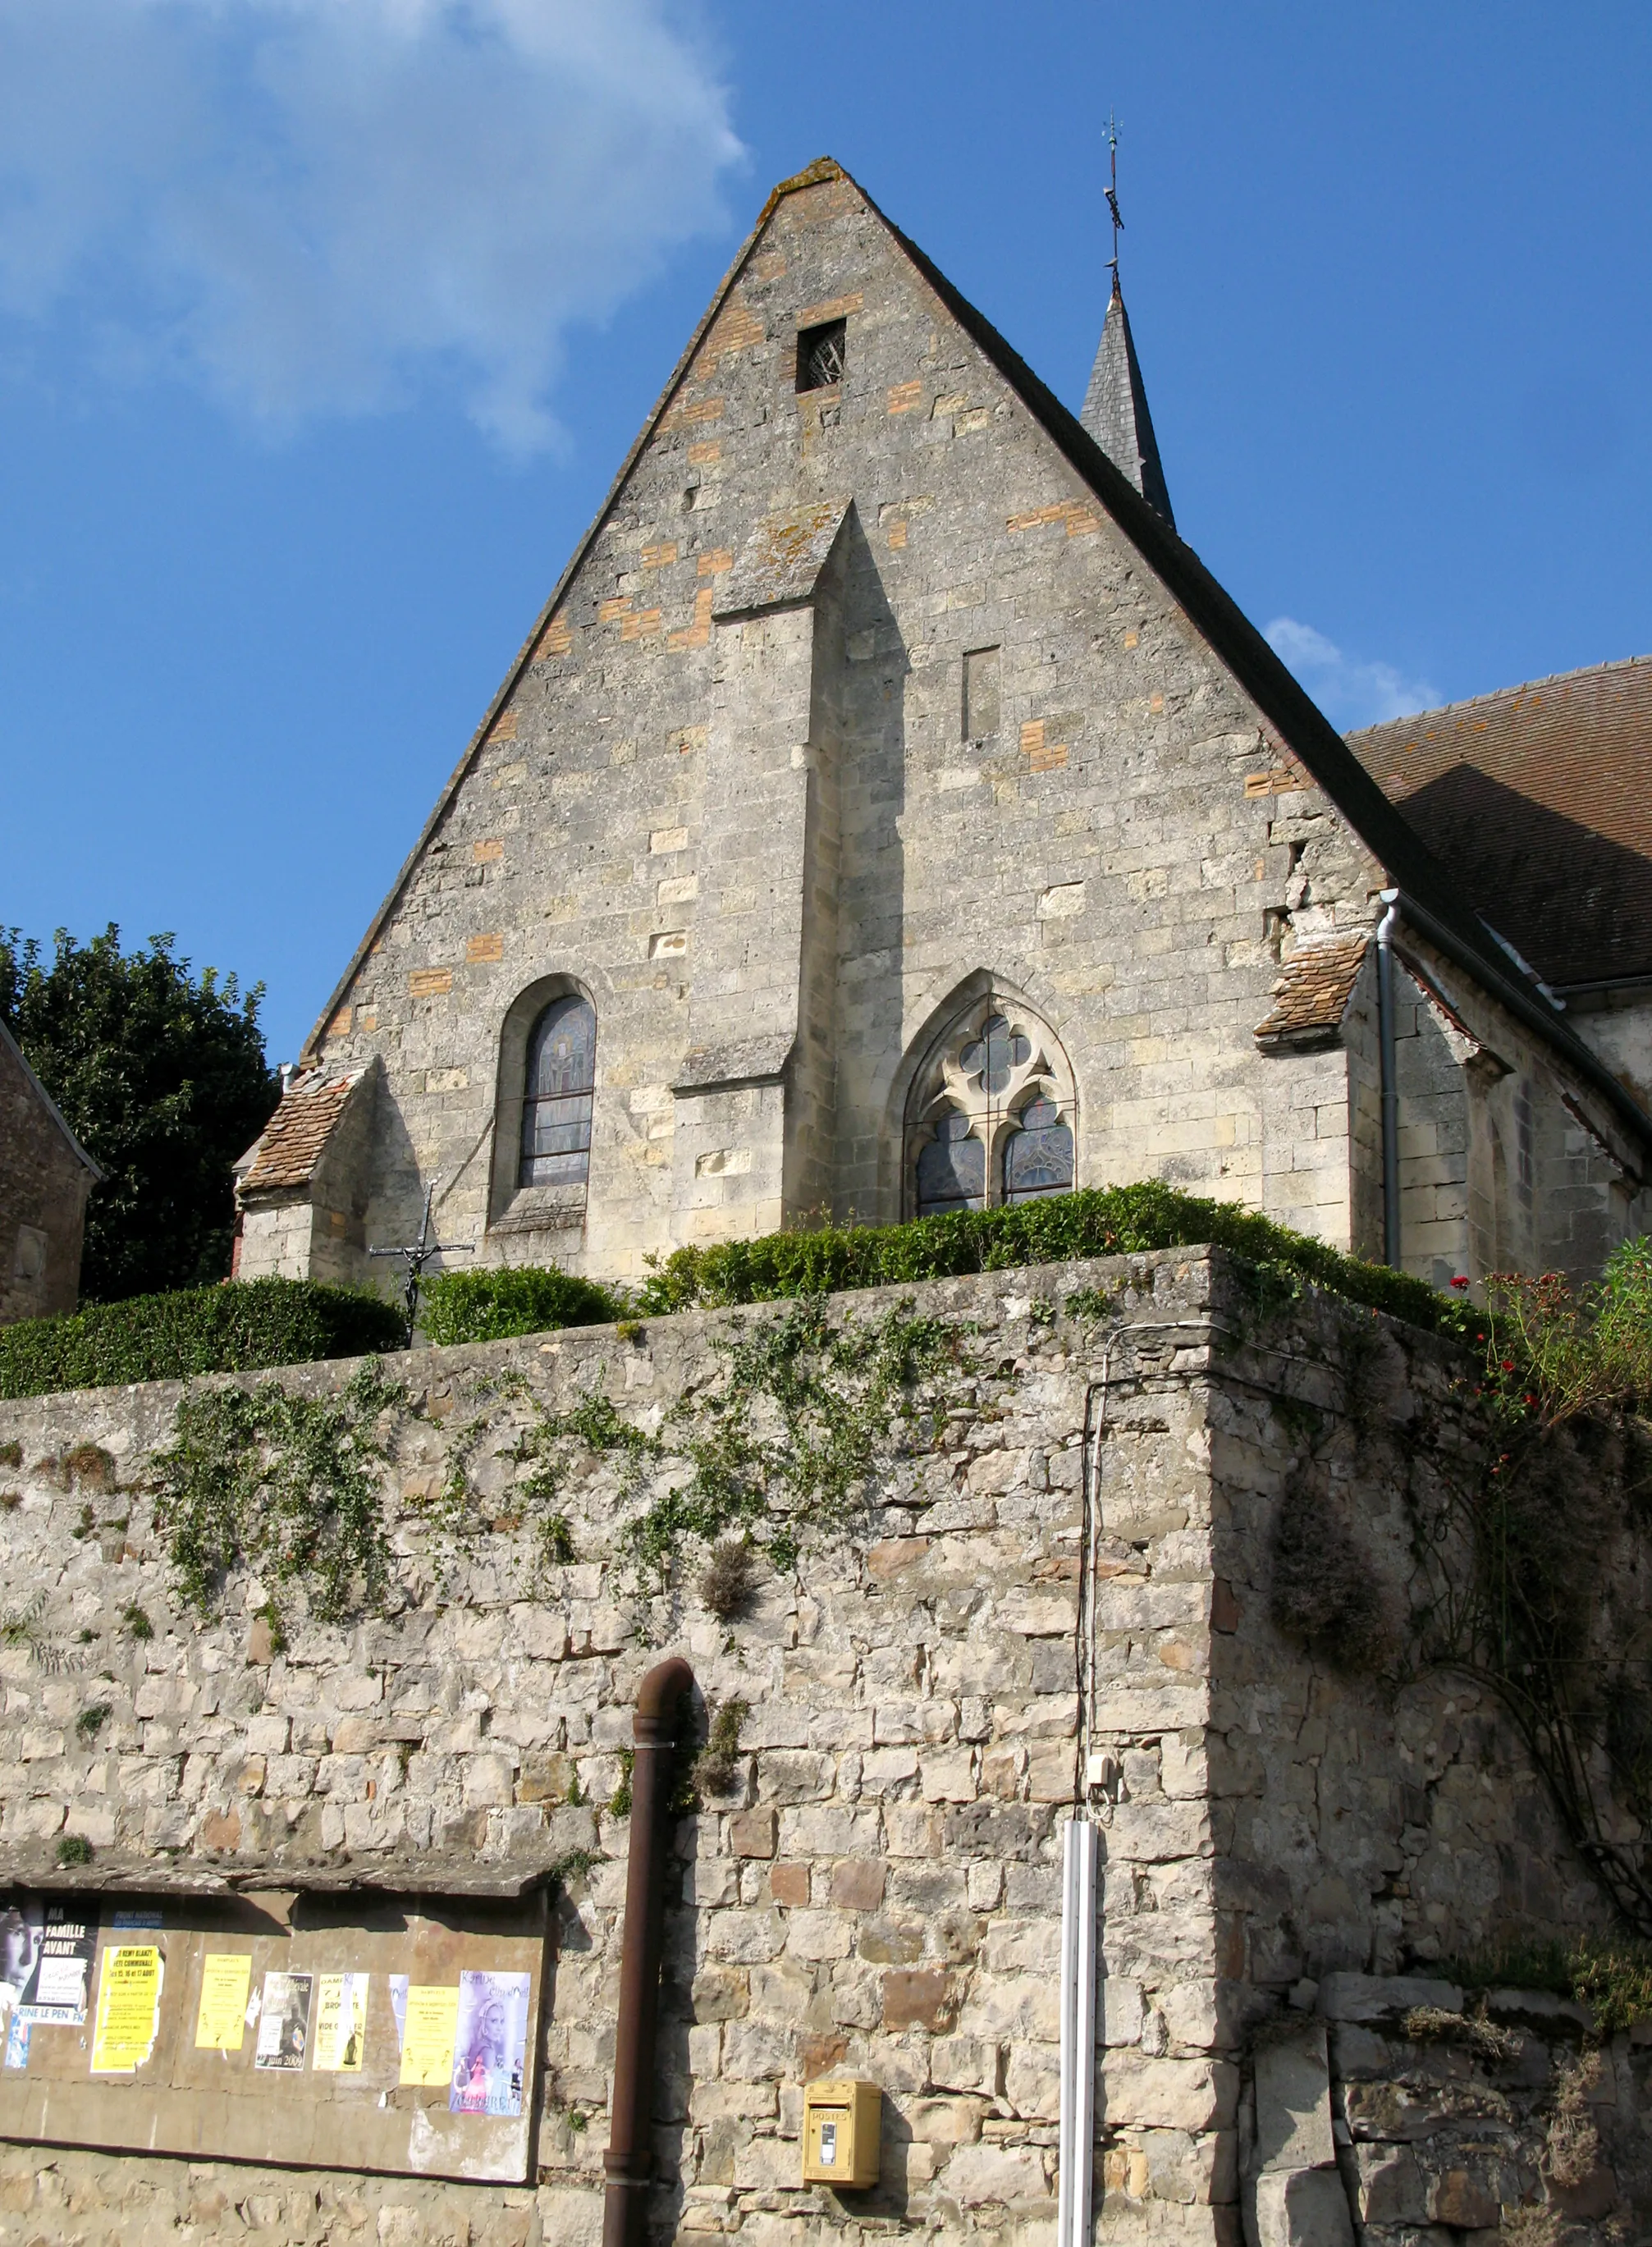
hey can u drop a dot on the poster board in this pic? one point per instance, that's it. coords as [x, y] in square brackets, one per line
[374, 2033]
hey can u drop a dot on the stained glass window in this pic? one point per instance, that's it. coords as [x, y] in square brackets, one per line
[1038, 1159]
[951, 1169]
[996, 1054]
[556, 1109]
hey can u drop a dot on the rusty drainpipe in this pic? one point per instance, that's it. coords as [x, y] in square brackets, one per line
[630, 2160]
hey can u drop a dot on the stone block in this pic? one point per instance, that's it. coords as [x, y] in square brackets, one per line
[1302, 2208]
[751, 1833]
[1294, 2101]
[1376, 1996]
[923, 1997]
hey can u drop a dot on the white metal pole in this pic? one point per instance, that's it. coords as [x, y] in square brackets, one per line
[1078, 2034]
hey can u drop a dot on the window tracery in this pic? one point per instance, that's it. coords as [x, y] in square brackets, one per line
[990, 1117]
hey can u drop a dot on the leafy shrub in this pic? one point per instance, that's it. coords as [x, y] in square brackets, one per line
[491, 1305]
[1614, 1979]
[1554, 1352]
[1103, 1221]
[241, 1327]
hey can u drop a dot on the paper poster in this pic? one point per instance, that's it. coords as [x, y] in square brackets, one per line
[399, 2006]
[56, 1991]
[341, 2024]
[428, 2040]
[22, 1930]
[490, 2046]
[128, 2008]
[126, 1923]
[283, 2025]
[220, 2024]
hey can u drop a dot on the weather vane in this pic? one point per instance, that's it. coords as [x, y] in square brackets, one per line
[1112, 192]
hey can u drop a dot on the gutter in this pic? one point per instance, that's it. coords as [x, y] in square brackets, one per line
[629, 2158]
[1389, 1079]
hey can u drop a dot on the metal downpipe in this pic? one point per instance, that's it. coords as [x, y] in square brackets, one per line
[629, 2158]
[1390, 1087]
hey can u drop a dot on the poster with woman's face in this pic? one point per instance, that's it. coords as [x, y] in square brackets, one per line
[490, 2049]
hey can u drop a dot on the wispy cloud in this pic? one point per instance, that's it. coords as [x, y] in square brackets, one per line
[317, 206]
[1351, 693]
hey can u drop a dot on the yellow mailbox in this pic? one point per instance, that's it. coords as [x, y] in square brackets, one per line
[843, 2122]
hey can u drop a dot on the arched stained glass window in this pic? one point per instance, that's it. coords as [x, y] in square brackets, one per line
[1038, 1155]
[992, 1112]
[951, 1169]
[555, 1107]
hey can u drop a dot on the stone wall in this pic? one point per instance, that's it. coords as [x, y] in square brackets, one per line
[879, 1893]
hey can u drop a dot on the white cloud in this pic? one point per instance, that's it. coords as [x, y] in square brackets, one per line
[1350, 693]
[312, 206]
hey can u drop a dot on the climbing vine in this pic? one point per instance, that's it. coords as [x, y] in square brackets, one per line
[779, 1448]
[289, 1486]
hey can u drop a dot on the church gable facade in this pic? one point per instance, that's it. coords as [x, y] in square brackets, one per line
[887, 815]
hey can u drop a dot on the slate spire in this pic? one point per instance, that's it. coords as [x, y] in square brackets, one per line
[1116, 408]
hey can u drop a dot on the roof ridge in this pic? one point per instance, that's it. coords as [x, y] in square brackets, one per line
[1500, 694]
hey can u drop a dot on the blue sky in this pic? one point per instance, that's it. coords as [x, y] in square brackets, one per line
[323, 325]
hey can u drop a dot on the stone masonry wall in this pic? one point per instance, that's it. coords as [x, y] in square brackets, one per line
[880, 1892]
[43, 1202]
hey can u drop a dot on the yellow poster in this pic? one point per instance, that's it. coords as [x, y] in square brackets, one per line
[128, 2008]
[427, 2041]
[341, 2024]
[222, 2023]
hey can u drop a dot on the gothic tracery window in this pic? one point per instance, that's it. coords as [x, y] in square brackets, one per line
[990, 1118]
[557, 1095]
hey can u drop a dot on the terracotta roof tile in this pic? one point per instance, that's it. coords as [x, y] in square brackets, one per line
[1540, 799]
[296, 1136]
[1312, 991]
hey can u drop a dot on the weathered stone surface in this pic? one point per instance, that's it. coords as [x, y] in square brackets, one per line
[1302, 2207]
[813, 1923]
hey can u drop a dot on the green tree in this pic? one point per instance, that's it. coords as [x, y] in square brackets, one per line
[163, 1079]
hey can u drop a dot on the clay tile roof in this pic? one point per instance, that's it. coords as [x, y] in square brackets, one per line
[1312, 991]
[295, 1136]
[1540, 798]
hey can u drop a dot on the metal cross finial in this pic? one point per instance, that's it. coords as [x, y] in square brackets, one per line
[1112, 193]
[420, 1252]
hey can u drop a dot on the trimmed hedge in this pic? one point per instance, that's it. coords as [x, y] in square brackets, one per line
[240, 1326]
[491, 1305]
[1104, 1221]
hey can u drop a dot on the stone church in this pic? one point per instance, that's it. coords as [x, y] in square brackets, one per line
[889, 813]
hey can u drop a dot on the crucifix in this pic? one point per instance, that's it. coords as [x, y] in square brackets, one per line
[1112, 193]
[420, 1252]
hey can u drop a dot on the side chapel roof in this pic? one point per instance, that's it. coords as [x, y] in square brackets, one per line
[1311, 997]
[1433, 901]
[287, 1150]
[1540, 797]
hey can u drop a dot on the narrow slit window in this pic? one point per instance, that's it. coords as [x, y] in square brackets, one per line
[556, 1109]
[819, 355]
[980, 694]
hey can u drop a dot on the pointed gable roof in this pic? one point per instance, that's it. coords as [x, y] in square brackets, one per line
[1115, 410]
[1433, 899]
